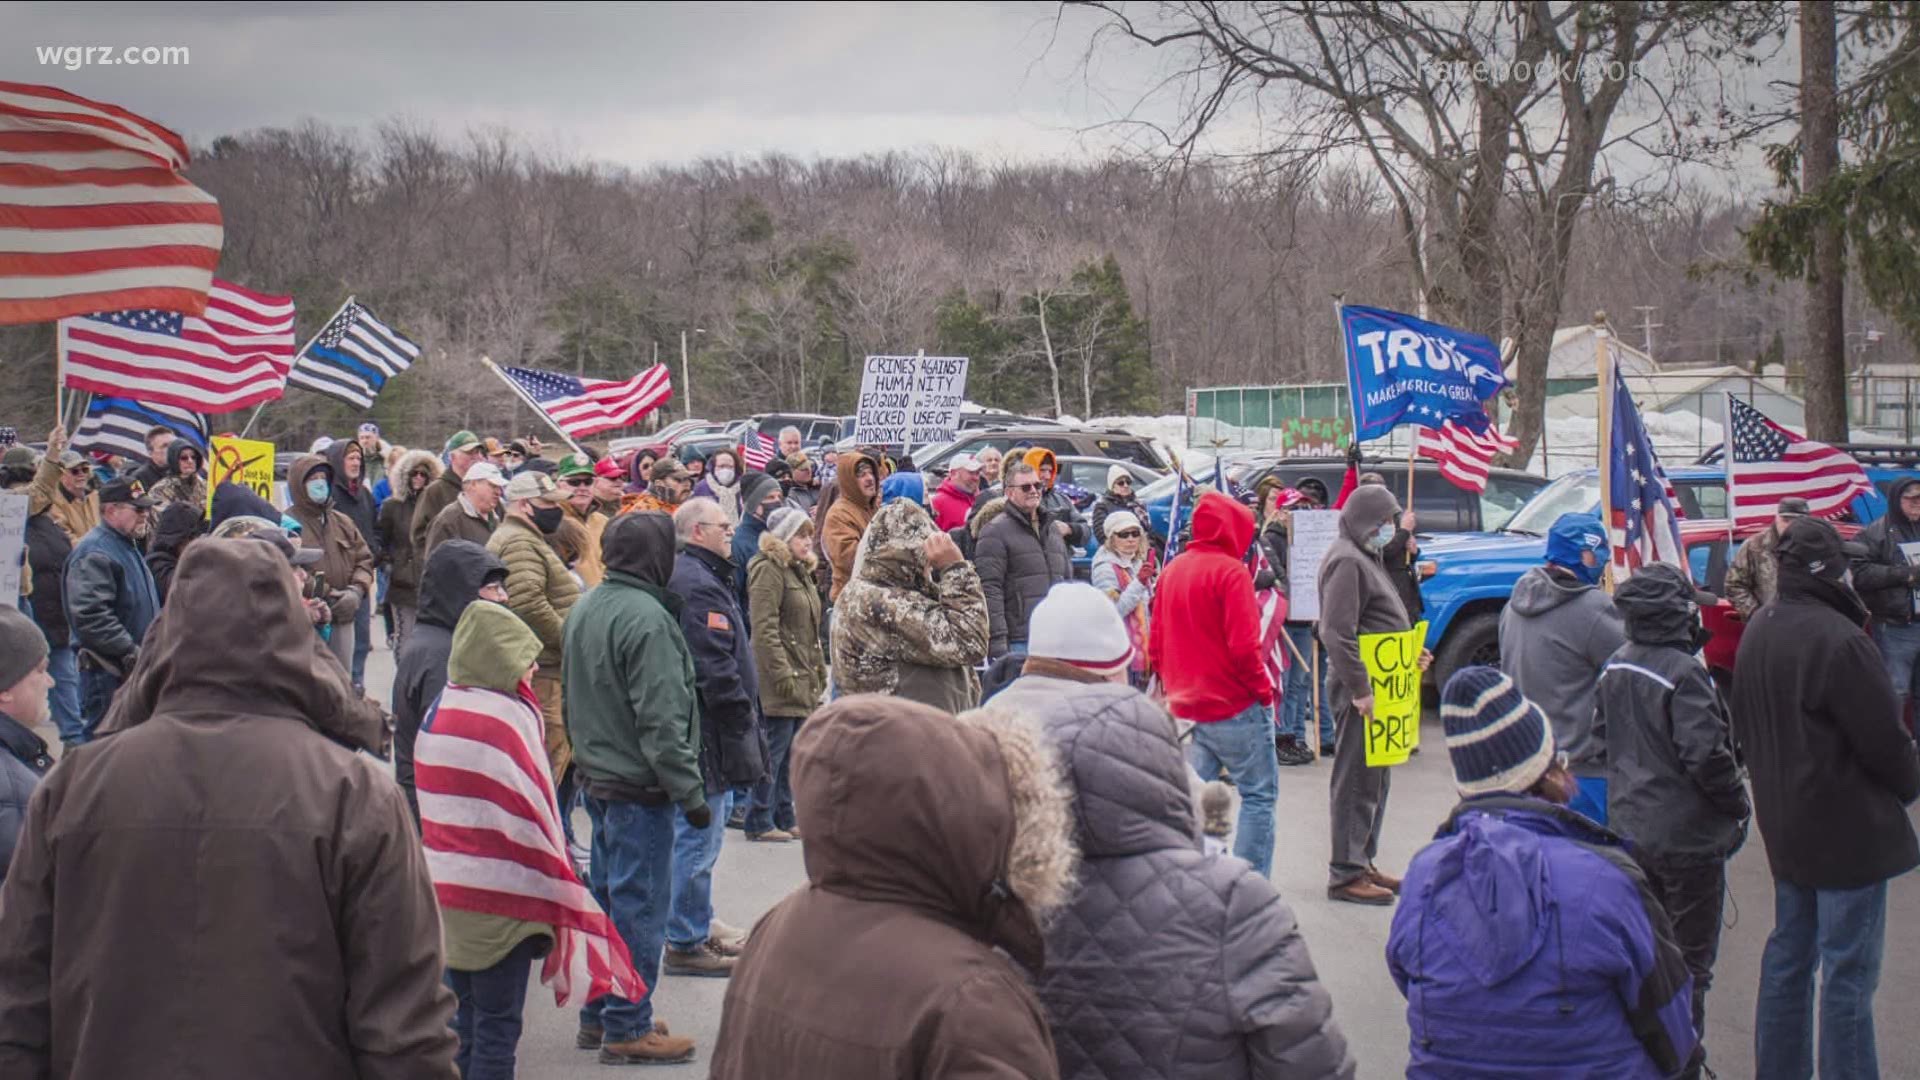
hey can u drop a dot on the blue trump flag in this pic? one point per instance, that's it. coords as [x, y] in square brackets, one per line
[1403, 370]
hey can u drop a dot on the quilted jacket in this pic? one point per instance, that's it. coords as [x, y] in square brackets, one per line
[1167, 962]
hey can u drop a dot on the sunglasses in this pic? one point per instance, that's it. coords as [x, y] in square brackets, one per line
[1035, 486]
[1123, 480]
[579, 481]
[80, 470]
[1127, 534]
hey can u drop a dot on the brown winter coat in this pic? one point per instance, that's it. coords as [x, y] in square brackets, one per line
[846, 521]
[784, 607]
[453, 523]
[435, 497]
[239, 892]
[345, 557]
[587, 562]
[76, 517]
[884, 966]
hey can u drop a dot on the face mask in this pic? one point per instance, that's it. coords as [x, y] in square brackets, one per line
[547, 517]
[723, 476]
[1381, 537]
[1589, 575]
[318, 490]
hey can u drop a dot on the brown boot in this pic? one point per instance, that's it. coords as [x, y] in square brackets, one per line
[1360, 891]
[653, 1048]
[590, 1038]
[1385, 881]
[707, 960]
[771, 836]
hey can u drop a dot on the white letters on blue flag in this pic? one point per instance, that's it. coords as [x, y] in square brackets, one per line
[1403, 370]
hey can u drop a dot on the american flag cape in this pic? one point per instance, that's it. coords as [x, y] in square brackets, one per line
[493, 838]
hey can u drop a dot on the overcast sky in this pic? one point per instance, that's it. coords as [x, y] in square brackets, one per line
[637, 85]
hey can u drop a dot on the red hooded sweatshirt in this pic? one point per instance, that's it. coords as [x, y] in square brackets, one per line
[1205, 642]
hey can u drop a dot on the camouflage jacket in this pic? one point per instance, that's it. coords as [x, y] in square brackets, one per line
[897, 629]
[1754, 574]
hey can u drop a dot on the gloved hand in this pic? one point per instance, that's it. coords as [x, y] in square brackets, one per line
[700, 818]
[1353, 453]
[345, 604]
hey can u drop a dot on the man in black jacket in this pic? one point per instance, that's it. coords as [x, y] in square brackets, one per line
[1020, 555]
[1833, 773]
[457, 573]
[1887, 577]
[1674, 787]
[733, 748]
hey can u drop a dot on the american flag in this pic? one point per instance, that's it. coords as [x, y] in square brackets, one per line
[1642, 515]
[1273, 618]
[352, 357]
[1183, 496]
[757, 450]
[1767, 463]
[94, 214]
[583, 407]
[236, 354]
[120, 425]
[1465, 457]
[494, 844]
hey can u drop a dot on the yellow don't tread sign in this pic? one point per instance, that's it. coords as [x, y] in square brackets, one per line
[1393, 668]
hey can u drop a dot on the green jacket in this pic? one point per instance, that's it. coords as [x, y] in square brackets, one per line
[631, 711]
[539, 588]
[783, 605]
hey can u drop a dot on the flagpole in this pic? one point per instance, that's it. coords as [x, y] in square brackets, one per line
[1603, 364]
[1340, 328]
[59, 377]
[528, 398]
[258, 409]
[1726, 460]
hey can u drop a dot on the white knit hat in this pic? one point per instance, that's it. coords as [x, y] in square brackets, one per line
[1078, 624]
[786, 522]
[1115, 472]
[1120, 521]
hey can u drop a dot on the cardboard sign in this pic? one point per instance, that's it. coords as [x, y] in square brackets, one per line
[13, 545]
[1393, 667]
[1314, 531]
[910, 400]
[243, 461]
[1316, 437]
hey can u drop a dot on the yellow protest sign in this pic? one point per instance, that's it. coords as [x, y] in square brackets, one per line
[1393, 667]
[245, 462]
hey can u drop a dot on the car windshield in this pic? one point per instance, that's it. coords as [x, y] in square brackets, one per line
[1502, 500]
[1575, 493]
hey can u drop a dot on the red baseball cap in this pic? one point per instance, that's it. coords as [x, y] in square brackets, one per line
[608, 468]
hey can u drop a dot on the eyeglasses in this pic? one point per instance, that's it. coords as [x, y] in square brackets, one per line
[1127, 534]
[579, 481]
[723, 526]
[1035, 486]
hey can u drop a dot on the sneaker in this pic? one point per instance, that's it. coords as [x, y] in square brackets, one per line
[706, 960]
[1385, 881]
[1294, 755]
[771, 836]
[738, 820]
[728, 936]
[1357, 891]
[653, 1048]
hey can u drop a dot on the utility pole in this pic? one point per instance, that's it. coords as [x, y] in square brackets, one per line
[686, 373]
[1647, 326]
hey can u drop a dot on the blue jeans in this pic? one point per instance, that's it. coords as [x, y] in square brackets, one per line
[362, 641]
[1244, 745]
[96, 693]
[1297, 700]
[488, 1018]
[772, 805]
[1842, 931]
[690, 918]
[633, 881]
[65, 698]
[1900, 651]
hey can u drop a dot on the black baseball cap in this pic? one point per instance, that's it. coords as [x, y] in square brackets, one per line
[1815, 546]
[131, 492]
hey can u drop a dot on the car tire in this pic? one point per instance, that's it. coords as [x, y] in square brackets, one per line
[1474, 640]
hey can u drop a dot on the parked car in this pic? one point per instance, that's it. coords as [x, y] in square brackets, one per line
[679, 429]
[970, 419]
[1106, 443]
[813, 426]
[1089, 474]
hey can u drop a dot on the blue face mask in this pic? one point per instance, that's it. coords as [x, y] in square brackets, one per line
[1381, 537]
[318, 489]
[1590, 575]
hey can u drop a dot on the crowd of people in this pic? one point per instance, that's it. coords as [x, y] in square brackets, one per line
[838, 651]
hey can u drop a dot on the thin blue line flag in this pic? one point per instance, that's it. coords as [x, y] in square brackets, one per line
[1403, 370]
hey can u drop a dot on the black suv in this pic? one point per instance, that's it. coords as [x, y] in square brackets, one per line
[1064, 442]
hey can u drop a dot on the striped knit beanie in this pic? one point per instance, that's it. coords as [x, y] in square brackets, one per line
[1498, 740]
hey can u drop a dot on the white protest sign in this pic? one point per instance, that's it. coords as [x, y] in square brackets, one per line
[1314, 531]
[13, 545]
[910, 400]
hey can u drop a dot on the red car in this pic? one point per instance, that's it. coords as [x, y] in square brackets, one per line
[1709, 556]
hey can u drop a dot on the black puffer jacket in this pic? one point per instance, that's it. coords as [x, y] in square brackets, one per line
[1673, 785]
[1883, 577]
[179, 523]
[452, 580]
[1108, 503]
[1018, 562]
[733, 741]
[1167, 962]
[48, 546]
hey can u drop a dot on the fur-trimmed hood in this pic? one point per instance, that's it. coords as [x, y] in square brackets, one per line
[409, 462]
[776, 549]
[989, 510]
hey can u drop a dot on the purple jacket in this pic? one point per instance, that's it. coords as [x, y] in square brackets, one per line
[1528, 944]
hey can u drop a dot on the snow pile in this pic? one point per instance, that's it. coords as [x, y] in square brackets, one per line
[1573, 442]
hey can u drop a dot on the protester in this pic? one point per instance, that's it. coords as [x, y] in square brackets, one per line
[722, 482]
[26, 687]
[415, 471]
[61, 488]
[906, 953]
[733, 741]
[989, 461]
[845, 518]
[1556, 633]
[672, 485]
[635, 725]
[1055, 507]
[453, 577]
[695, 461]
[607, 487]
[1674, 787]
[1020, 555]
[1889, 581]
[1752, 577]
[183, 481]
[576, 478]
[1358, 597]
[913, 623]
[953, 501]
[1275, 504]
[463, 451]
[904, 484]
[1206, 914]
[784, 610]
[111, 599]
[353, 497]
[48, 549]
[1818, 718]
[346, 570]
[318, 949]
[802, 492]
[760, 496]
[1125, 568]
[1205, 646]
[474, 513]
[172, 530]
[541, 592]
[1119, 496]
[640, 469]
[1531, 943]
